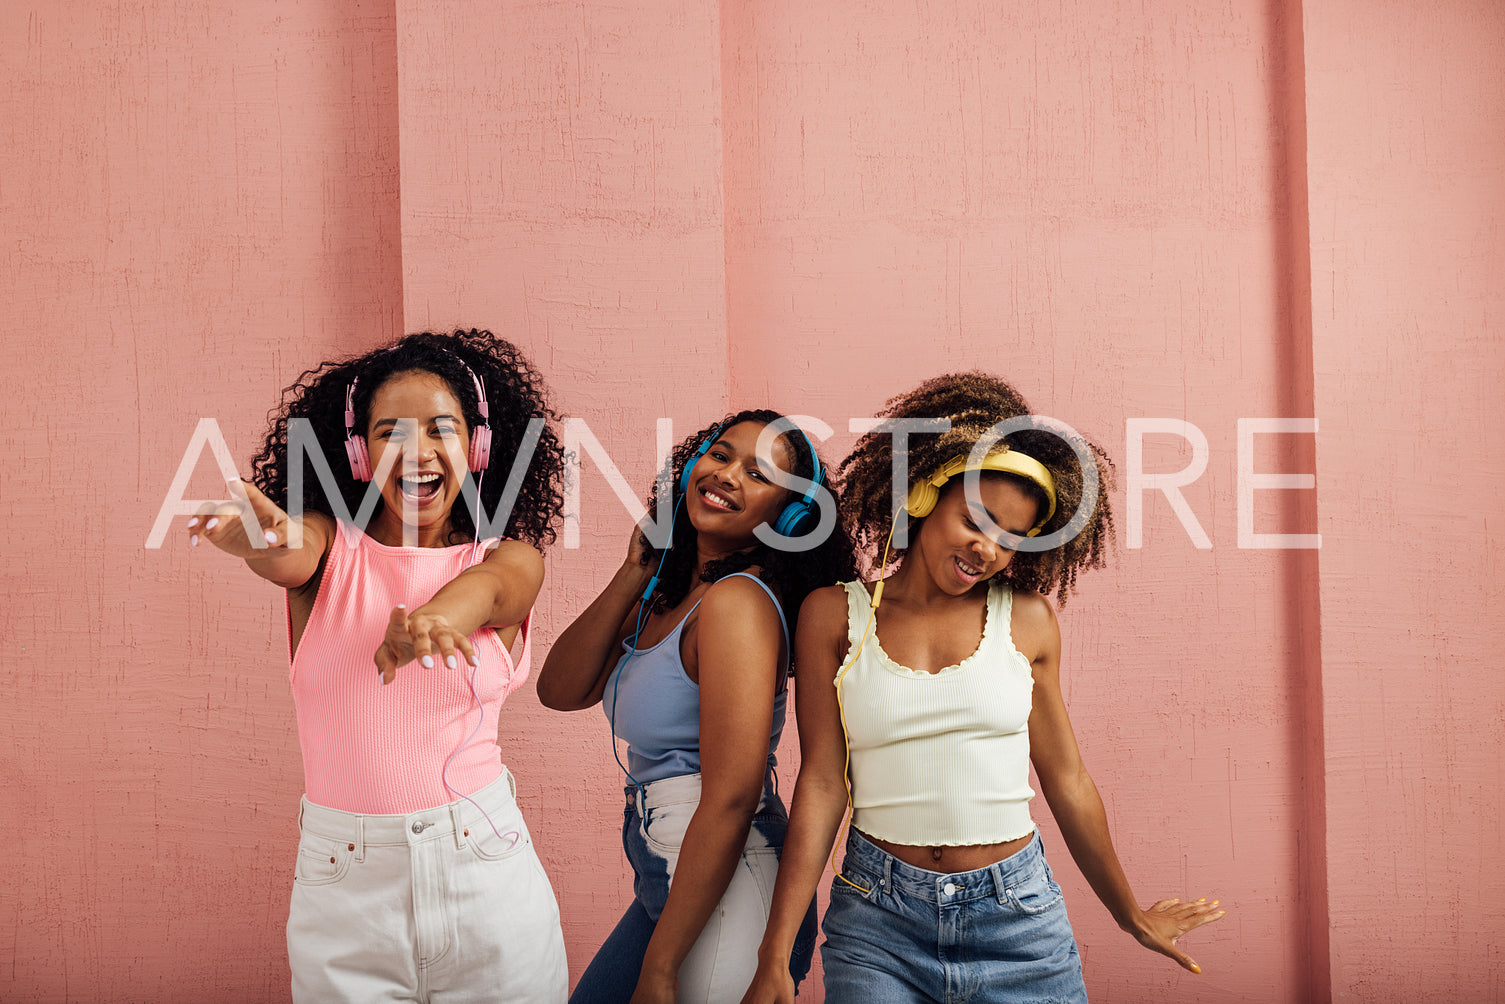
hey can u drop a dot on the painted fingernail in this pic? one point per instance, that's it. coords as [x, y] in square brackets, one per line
[449, 661]
[1202, 900]
[472, 660]
[428, 662]
[193, 540]
[1196, 969]
[402, 606]
[193, 522]
[271, 536]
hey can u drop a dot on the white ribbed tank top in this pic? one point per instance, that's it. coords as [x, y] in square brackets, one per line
[939, 759]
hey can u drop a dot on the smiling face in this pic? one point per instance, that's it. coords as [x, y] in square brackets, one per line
[731, 488]
[417, 415]
[952, 548]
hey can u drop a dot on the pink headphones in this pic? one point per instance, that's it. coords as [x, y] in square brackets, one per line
[360, 458]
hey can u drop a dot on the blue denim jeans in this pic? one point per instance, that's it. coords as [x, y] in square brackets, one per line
[721, 965]
[997, 934]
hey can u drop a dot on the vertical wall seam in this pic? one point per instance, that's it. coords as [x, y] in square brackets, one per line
[1297, 387]
[396, 126]
[726, 263]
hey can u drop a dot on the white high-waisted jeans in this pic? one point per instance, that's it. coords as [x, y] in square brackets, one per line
[434, 906]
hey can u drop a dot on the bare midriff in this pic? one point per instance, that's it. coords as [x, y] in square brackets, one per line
[954, 858]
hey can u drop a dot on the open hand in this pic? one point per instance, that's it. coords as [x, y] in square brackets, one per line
[247, 525]
[419, 635]
[1162, 925]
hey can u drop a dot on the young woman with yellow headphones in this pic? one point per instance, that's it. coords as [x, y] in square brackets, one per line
[923, 698]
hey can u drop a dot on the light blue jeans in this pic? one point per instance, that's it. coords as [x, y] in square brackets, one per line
[721, 965]
[997, 934]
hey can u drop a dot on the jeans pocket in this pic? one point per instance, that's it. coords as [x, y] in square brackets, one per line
[665, 825]
[321, 860]
[1036, 894]
[488, 844]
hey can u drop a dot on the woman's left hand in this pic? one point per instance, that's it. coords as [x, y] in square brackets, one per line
[655, 990]
[418, 636]
[1162, 925]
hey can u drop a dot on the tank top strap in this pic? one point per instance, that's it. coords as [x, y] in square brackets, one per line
[859, 605]
[778, 608]
[1001, 612]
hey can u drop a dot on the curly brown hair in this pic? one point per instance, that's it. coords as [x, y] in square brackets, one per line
[515, 393]
[791, 574]
[974, 403]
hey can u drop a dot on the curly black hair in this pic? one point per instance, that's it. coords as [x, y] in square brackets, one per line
[975, 402]
[515, 394]
[791, 574]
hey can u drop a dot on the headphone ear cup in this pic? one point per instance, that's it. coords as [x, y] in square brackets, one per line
[794, 520]
[684, 476]
[922, 498]
[480, 448]
[360, 460]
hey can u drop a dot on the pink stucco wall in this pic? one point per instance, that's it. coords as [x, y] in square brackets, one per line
[1182, 211]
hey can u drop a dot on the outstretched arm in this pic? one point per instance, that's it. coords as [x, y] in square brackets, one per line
[497, 592]
[1074, 799]
[284, 551]
[820, 793]
[580, 660]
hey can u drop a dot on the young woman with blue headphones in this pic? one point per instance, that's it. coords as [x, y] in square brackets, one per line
[924, 697]
[688, 649]
[416, 876]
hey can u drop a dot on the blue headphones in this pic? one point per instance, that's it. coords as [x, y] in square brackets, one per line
[795, 519]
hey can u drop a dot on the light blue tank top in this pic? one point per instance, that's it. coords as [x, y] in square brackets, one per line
[657, 707]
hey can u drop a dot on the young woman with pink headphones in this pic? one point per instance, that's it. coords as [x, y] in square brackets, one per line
[415, 872]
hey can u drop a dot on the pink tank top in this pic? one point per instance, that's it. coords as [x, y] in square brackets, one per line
[382, 749]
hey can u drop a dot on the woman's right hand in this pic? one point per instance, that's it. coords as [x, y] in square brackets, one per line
[224, 524]
[771, 985]
[637, 549]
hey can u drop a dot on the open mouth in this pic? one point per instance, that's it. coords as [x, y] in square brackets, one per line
[421, 487]
[968, 572]
[718, 501]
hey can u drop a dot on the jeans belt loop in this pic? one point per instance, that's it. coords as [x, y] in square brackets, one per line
[457, 821]
[360, 839]
[999, 889]
[888, 872]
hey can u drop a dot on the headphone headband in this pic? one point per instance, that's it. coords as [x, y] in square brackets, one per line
[927, 491]
[478, 456]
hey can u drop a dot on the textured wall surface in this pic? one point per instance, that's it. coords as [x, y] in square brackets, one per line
[197, 202]
[1406, 158]
[1179, 211]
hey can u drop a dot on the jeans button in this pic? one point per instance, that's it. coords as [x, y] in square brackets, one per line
[949, 888]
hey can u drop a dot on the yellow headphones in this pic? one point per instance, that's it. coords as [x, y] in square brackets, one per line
[922, 499]
[927, 491]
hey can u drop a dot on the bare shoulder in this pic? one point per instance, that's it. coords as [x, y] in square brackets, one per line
[1033, 625]
[736, 596]
[516, 554]
[825, 609]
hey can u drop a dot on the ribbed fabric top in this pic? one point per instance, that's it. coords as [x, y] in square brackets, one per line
[939, 759]
[371, 748]
[655, 706]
